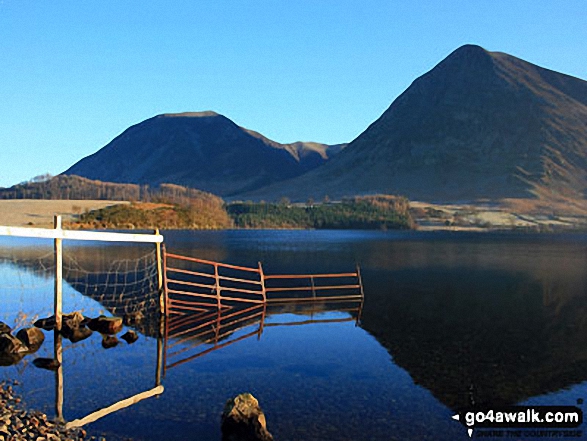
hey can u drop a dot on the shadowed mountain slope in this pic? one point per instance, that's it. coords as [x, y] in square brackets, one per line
[201, 150]
[478, 125]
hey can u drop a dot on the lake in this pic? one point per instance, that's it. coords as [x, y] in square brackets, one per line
[449, 320]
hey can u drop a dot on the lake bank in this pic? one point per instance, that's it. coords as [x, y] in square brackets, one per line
[20, 424]
[514, 215]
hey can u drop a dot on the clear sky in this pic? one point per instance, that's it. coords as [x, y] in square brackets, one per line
[75, 74]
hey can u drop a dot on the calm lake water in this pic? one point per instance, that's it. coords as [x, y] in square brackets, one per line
[449, 320]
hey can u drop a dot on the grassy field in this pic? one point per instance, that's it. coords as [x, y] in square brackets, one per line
[39, 213]
[508, 214]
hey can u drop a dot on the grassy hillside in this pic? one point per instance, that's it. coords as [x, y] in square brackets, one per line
[199, 215]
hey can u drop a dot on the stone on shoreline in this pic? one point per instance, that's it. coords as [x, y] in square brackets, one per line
[19, 424]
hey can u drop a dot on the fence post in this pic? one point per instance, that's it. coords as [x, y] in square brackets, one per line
[217, 287]
[160, 275]
[360, 279]
[262, 276]
[58, 246]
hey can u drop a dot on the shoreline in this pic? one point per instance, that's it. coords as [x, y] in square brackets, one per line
[428, 217]
[17, 423]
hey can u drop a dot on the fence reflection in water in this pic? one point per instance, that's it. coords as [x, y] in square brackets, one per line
[192, 336]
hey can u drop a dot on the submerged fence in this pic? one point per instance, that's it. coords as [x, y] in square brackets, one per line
[196, 285]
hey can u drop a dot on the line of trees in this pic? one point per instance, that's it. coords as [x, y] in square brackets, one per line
[365, 212]
[75, 187]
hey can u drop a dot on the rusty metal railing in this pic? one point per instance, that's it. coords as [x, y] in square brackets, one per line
[193, 286]
[316, 287]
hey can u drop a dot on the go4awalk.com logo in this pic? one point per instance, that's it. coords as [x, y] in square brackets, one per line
[545, 421]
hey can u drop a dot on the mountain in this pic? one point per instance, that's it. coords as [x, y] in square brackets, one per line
[201, 150]
[479, 125]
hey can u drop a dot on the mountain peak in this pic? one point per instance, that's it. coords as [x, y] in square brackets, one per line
[479, 125]
[204, 114]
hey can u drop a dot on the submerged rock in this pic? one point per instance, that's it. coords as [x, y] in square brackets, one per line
[48, 323]
[71, 322]
[10, 359]
[46, 363]
[4, 328]
[78, 334]
[109, 341]
[31, 337]
[130, 337]
[106, 325]
[243, 420]
[9, 344]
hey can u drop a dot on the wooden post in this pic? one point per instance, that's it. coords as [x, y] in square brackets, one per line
[58, 353]
[360, 279]
[262, 324]
[159, 358]
[58, 274]
[360, 311]
[217, 287]
[262, 276]
[160, 275]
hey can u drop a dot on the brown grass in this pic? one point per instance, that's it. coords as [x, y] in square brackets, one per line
[39, 213]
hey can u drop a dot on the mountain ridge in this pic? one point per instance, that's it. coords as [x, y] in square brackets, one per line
[479, 125]
[203, 150]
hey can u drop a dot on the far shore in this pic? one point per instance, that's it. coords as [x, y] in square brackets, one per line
[429, 216]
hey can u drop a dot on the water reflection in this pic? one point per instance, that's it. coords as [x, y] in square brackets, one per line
[482, 323]
[483, 319]
[191, 336]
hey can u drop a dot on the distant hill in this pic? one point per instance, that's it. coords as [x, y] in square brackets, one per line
[78, 188]
[479, 125]
[201, 150]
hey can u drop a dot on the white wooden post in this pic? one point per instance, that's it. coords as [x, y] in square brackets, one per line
[58, 274]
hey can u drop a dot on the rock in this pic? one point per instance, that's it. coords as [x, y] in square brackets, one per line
[10, 359]
[32, 337]
[106, 325]
[12, 345]
[73, 327]
[109, 341]
[71, 322]
[130, 337]
[4, 328]
[48, 323]
[78, 334]
[20, 424]
[243, 420]
[46, 363]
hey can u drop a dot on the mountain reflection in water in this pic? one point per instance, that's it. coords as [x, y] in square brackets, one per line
[479, 322]
[472, 318]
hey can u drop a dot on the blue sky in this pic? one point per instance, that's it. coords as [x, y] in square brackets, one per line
[75, 74]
